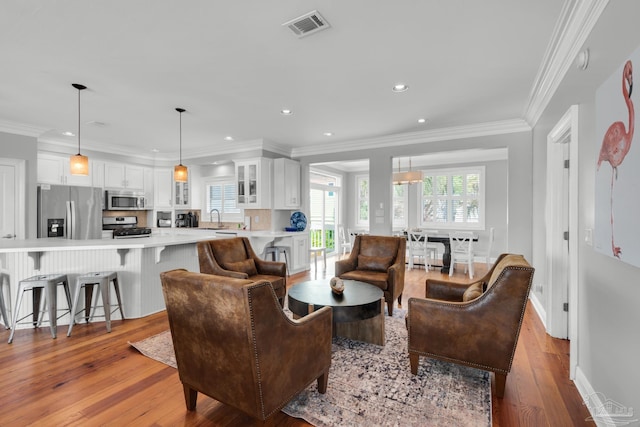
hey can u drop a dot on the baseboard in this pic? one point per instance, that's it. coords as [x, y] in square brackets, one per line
[539, 308]
[604, 411]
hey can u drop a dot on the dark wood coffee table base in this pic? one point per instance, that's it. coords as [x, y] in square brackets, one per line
[358, 314]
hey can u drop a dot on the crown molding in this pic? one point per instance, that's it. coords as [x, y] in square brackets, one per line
[21, 129]
[577, 19]
[443, 134]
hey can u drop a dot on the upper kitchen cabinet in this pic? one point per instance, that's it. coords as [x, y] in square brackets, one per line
[286, 184]
[120, 176]
[253, 177]
[54, 169]
[149, 195]
[181, 193]
[162, 185]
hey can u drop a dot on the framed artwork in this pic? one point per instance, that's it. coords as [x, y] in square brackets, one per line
[617, 183]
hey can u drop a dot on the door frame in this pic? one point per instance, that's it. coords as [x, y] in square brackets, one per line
[564, 132]
[20, 194]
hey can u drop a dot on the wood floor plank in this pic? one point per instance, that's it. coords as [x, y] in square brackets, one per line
[94, 378]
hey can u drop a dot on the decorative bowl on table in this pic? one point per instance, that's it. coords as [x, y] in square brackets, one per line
[337, 285]
[291, 229]
[298, 220]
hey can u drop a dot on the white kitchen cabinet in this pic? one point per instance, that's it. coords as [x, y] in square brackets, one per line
[120, 176]
[299, 253]
[162, 188]
[253, 178]
[54, 169]
[148, 187]
[286, 184]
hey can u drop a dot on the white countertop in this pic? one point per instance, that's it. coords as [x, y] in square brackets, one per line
[172, 236]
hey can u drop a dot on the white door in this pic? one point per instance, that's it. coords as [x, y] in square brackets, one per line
[7, 201]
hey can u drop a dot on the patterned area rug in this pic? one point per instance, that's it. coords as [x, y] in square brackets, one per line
[370, 385]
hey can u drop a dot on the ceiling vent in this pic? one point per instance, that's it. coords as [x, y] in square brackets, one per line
[306, 24]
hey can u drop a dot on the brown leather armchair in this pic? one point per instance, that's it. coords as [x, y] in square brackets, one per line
[378, 260]
[473, 324]
[245, 353]
[235, 258]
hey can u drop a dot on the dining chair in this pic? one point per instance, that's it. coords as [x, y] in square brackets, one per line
[417, 248]
[345, 242]
[461, 250]
[485, 252]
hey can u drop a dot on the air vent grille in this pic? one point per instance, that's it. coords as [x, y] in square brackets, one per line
[307, 24]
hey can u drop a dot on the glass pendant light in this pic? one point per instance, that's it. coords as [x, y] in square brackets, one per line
[79, 164]
[180, 172]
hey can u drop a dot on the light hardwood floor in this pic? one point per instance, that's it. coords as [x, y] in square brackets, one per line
[95, 378]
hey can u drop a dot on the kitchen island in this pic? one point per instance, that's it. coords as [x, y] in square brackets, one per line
[138, 261]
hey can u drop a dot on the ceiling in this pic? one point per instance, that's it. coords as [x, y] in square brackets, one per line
[234, 67]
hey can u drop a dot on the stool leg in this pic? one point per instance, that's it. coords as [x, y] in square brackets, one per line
[116, 286]
[50, 291]
[36, 297]
[286, 261]
[74, 307]
[15, 314]
[88, 297]
[104, 290]
[3, 309]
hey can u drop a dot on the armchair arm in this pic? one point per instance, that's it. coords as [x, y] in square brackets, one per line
[444, 290]
[462, 332]
[345, 265]
[395, 280]
[209, 265]
[272, 268]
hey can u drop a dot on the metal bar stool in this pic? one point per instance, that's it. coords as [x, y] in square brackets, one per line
[102, 279]
[50, 283]
[275, 254]
[4, 280]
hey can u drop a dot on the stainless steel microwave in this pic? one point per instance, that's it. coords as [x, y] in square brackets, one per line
[125, 201]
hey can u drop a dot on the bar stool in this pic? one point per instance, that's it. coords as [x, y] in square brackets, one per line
[4, 280]
[101, 279]
[275, 254]
[48, 282]
[318, 250]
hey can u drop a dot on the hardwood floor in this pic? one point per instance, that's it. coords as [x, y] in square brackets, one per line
[95, 378]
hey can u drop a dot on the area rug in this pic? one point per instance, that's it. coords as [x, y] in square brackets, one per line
[372, 385]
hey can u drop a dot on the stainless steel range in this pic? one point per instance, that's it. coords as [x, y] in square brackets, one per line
[125, 227]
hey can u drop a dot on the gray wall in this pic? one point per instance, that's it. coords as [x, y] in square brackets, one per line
[24, 148]
[608, 289]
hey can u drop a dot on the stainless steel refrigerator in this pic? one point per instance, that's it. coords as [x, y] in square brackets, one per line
[69, 212]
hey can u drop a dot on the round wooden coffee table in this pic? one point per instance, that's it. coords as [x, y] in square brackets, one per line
[358, 313]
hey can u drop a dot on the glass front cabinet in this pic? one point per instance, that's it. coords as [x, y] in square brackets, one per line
[253, 177]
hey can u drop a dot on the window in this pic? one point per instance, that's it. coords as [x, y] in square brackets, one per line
[221, 194]
[453, 198]
[362, 191]
[400, 202]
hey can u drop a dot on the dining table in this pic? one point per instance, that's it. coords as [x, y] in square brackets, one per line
[441, 237]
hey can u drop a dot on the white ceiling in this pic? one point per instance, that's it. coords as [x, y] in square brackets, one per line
[233, 67]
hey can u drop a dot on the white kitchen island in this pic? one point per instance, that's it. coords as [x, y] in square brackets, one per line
[138, 261]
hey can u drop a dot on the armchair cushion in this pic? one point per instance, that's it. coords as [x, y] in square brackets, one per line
[374, 263]
[472, 292]
[247, 266]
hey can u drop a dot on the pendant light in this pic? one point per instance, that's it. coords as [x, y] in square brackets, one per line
[409, 177]
[79, 164]
[180, 172]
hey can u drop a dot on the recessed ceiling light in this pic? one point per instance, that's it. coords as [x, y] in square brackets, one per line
[286, 112]
[228, 138]
[328, 134]
[400, 87]
[67, 133]
[155, 150]
[422, 120]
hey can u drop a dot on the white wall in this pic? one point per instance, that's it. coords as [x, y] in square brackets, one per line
[608, 289]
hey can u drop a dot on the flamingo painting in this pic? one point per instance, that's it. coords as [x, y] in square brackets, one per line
[617, 142]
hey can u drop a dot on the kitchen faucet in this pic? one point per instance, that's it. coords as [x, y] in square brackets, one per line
[211, 216]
